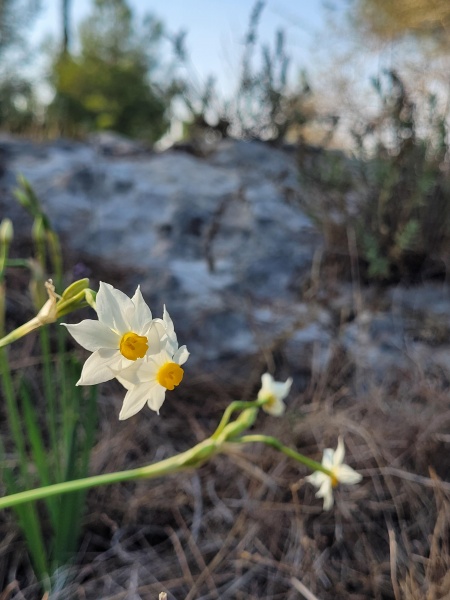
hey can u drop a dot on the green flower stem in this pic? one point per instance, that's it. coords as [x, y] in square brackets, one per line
[225, 433]
[274, 443]
[237, 405]
[24, 329]
[190, 458]
[63, 306]
[6, 234]
[50, 397]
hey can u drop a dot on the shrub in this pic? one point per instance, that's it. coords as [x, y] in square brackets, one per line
[108, 84]
[400, 176]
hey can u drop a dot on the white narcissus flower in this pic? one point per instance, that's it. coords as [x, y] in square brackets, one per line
[124, 333]
[274, 392]
[148, 381]
[333, 461]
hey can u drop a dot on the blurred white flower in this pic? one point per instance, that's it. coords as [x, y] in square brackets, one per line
[333, 461]
[124, 333]
[274, 392]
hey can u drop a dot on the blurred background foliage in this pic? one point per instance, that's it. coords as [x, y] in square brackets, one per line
[428, 20]
[108, 84]
[380, 172]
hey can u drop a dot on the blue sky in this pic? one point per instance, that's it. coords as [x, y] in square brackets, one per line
[215, 28]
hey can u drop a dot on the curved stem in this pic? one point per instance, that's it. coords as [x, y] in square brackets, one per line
[191, 457]
[274, 443]
[230, 409]
[19, 332]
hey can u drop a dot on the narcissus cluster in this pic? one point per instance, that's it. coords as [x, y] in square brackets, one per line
[128, 344]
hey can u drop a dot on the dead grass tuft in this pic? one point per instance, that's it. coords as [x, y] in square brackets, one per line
[247, 525]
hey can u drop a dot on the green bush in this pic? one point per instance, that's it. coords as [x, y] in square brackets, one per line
[92, 96]
[400, 179]
[17, 104]
[108, 84]
[404, 224]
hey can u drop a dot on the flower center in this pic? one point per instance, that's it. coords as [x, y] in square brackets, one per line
[170, 375]
[334, 480]
[133, 346]
[270, 400]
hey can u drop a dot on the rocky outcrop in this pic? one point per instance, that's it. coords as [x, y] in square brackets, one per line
[223, 241]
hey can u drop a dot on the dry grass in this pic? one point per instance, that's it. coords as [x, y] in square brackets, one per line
[247, 525]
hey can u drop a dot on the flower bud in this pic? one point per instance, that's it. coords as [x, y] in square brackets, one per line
[6, 232]
[75, 288]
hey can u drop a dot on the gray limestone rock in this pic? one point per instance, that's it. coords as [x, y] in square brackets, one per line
[223, 242]
[220, 240]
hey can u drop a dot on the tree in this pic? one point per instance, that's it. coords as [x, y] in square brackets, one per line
[65, 14]
[14, 16]
[392, 20]
[109, 84]
[17, 101]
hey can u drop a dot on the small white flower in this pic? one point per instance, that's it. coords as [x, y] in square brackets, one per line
[333, 461]
[148, 381]
[124, 333]
[274, 392]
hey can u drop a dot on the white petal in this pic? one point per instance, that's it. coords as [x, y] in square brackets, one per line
[97, 367]
[275, 408]
[134, 401]
[93, 335]
[142, 315]
[267, 382]
[326, 492]
[281, 390]
[102, 305]
[279, 409]
[114, 308]
[148, 372]
[129, 376]
[181, 355]
[327, 459]
[155, 337]
[316, 478]
[126, 384]
[168, 323]
[157, 397]
[160, 359]
[338, 457]
[346, 474]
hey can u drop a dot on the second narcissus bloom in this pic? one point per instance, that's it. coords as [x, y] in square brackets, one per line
[148, 381]
[124, 333]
